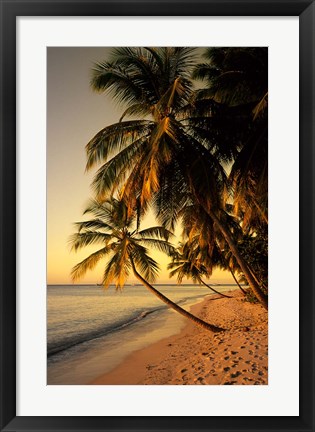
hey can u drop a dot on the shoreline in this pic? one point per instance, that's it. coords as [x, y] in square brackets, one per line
[197, 356]
[139, 360]
[102, 355]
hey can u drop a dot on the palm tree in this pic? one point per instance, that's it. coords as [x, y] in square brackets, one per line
[236, 280]
[235, 76]
[186, 264]
[125, 248]
[254, 249]
[164, 157]
[206, 243]
[238, 77]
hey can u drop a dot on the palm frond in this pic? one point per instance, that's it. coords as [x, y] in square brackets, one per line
[111, 176]
[158, 232]
[94, 223]
[205, 72]
[146, 265]
[138, 109]
[261, 106]
[160, 245]
[111, 77]
[140, 63]
[114, 138]
[116, 271]
[80, 240]
[88, 263]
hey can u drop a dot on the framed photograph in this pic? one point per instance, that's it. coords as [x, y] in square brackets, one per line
[157, 207]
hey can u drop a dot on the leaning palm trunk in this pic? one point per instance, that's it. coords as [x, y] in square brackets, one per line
[251, 280]
[237, 282]
[256, 279]
[173, 305]
[212, 289]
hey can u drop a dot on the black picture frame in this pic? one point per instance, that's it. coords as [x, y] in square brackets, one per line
[10, 9]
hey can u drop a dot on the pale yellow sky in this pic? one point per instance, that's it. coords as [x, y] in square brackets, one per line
[74, 115]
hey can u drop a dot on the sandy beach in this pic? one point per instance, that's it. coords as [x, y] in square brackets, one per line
[237, 356]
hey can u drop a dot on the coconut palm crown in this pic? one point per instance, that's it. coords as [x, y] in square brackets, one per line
[124, 247]
[151, 155]
[122, 243]
[185, 263]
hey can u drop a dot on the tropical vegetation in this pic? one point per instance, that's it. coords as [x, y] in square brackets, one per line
[192, 145]
[125, 248]
[187, 264]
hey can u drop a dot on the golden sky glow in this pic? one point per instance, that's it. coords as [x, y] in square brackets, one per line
[74, 115]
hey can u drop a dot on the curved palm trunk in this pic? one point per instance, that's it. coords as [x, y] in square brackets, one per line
[212, 289]
[256, 279]
[251, 280]
[173, 305]
[234, 277]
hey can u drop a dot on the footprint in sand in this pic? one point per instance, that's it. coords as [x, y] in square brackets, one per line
[200, 380]
[249, 379]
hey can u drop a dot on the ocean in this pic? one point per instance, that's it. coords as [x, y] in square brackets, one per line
[91, 330]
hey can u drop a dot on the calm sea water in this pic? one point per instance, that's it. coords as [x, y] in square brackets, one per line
[90, 331]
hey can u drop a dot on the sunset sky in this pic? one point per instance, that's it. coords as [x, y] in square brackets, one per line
[74, 115]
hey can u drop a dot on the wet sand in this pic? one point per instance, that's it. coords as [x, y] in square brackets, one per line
[237, 356]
